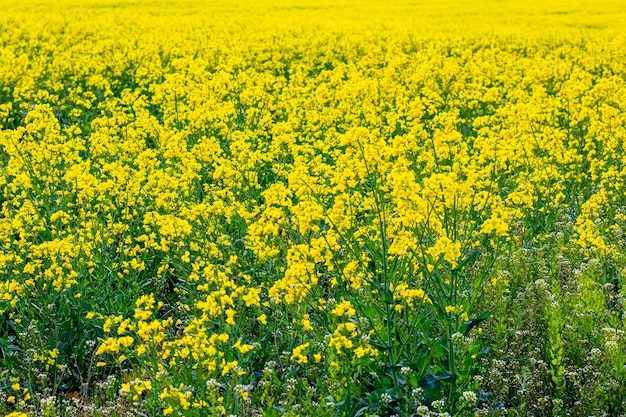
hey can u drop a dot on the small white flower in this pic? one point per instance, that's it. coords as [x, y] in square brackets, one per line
[385, 398]
[422, 410]
[439, 404]
[469, 399]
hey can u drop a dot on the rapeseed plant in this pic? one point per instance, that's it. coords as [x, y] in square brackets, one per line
[312, 208]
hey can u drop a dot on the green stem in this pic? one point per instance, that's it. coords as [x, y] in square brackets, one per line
[451, 331]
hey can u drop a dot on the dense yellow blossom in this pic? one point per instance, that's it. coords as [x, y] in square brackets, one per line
[298, 354]
[193, 194]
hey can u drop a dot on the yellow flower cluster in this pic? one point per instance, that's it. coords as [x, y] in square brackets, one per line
[192, 183]
[136, 387]
[10, 292]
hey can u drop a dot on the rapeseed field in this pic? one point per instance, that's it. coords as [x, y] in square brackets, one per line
[312, 208]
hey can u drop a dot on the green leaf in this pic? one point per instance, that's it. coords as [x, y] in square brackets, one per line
[475, 322]
[431, 380]
[379, 345]
[469, 258]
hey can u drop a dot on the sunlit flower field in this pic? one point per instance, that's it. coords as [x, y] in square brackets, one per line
[312, 208]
